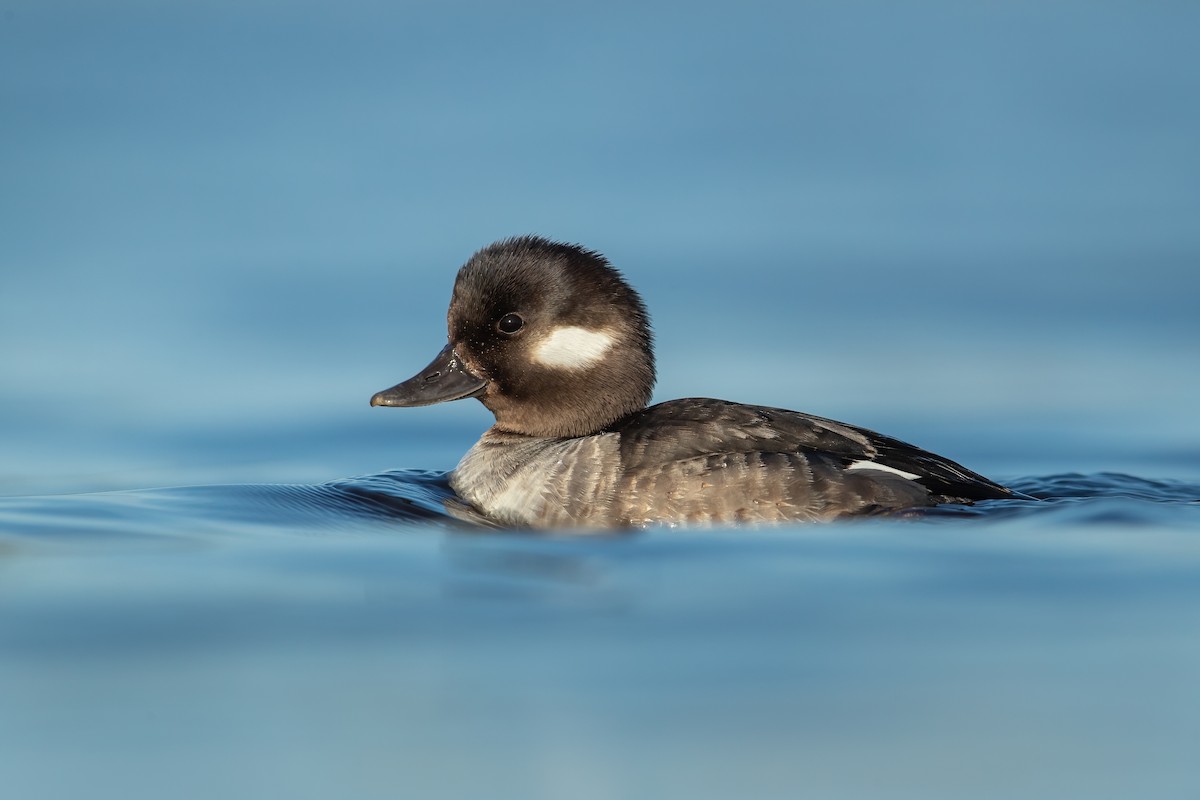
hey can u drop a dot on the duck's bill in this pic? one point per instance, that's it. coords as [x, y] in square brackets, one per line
[445, 379]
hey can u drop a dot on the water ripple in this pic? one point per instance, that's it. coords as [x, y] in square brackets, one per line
[423, 498]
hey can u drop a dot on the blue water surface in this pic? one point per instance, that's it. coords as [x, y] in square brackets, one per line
[224, 226]
[349, 638]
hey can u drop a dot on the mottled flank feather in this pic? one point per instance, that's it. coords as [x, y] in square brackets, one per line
[716, 461]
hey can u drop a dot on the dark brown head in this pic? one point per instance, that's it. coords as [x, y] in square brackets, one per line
[548, 336]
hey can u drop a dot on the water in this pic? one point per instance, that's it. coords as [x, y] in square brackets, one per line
[223, 227]
[351, 638]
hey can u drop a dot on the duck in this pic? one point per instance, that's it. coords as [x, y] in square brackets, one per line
[554, 341]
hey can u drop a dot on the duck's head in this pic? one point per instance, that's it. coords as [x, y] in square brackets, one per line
[548, 336]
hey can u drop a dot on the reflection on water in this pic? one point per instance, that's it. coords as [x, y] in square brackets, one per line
[350, 640]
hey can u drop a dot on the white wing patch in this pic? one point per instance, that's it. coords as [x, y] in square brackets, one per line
[882, 468]
[573, 348]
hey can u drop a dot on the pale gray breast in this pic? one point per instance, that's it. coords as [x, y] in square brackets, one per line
[543, 483]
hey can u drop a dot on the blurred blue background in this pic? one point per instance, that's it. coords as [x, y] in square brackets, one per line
[224, 225]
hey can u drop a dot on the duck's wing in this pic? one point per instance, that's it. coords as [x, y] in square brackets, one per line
[681, 430]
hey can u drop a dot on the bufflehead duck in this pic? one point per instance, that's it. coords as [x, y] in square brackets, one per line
[554, 342]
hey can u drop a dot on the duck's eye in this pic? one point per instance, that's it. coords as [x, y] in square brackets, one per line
[510, 323]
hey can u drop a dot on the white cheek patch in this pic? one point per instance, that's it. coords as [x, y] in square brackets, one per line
[882, 468]
[573, 348]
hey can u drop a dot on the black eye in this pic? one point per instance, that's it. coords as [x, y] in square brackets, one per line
[510, 323]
